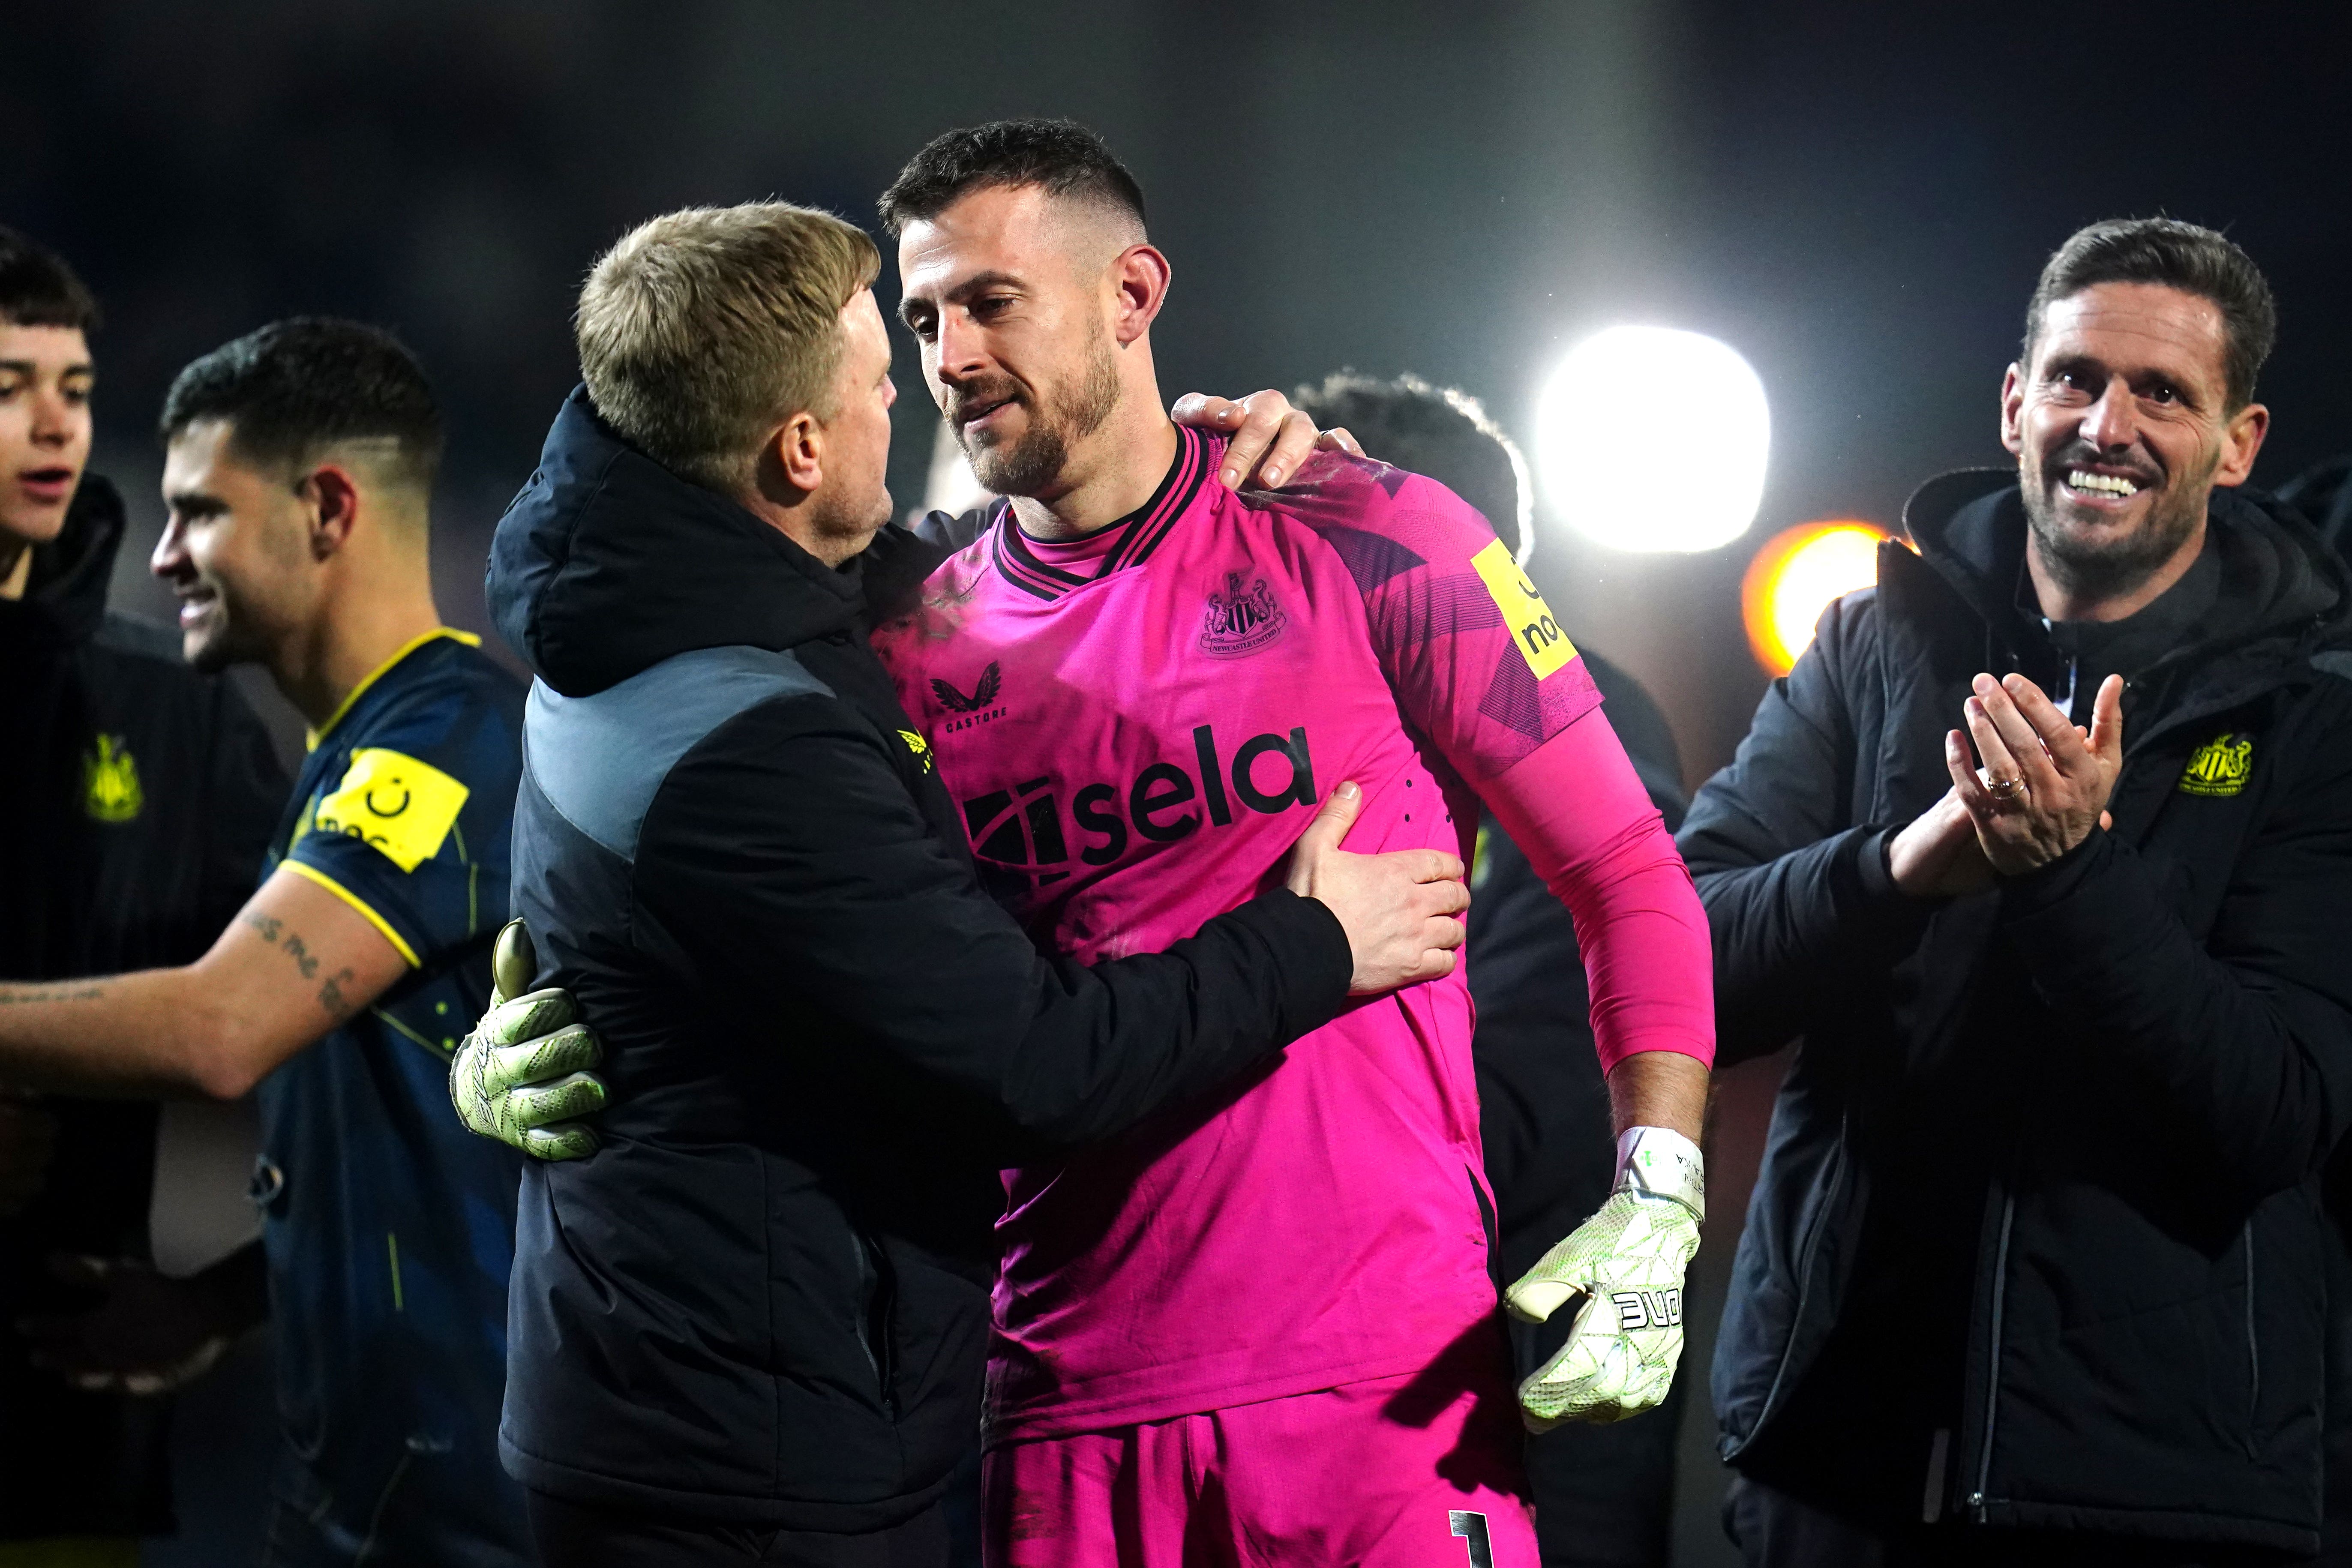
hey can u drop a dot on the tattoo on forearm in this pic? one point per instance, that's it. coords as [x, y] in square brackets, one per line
[31, 996]
[331, 994]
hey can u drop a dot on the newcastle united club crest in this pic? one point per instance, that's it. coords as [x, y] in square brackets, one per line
[1241, 620]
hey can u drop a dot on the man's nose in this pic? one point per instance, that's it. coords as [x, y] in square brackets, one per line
[171, 551]
[961, 354]
[53, 419]
[2112, 424]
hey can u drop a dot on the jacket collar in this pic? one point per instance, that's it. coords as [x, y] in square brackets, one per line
[2282, 594]
[607, 562]
[67, 589]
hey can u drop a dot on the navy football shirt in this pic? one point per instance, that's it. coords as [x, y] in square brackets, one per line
[390, 1228]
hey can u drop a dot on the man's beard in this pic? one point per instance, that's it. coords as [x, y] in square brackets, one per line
[2111, 563]
[1067, 416]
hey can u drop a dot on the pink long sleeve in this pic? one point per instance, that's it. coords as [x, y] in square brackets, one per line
[1576, 808]
[1480, 667]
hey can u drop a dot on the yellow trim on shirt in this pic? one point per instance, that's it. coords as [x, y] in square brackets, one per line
[310, 740]
[373, 919]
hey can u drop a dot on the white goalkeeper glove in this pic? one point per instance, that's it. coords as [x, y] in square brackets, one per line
[1623, 1268]
[521, 1076]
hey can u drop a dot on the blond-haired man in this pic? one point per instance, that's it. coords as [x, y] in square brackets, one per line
[752, 1323]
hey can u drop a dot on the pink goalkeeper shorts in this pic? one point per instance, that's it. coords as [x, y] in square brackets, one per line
[1367, 1474]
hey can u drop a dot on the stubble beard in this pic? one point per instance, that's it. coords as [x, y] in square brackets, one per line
[235, 636]
[222, 648]
[2110, 564]
[1056, 421]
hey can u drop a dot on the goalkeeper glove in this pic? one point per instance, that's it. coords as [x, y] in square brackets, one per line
[1625, 1266]
[521, 1076]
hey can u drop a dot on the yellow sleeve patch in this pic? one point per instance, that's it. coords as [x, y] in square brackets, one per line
[1541, 641]
[400, 805]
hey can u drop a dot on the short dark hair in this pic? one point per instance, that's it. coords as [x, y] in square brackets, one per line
[1441, 432]
[39, 289]
[2182, 256]
[1063, 156]
[295, 387]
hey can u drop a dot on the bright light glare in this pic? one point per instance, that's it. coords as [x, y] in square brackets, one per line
[1654, 439]
[1793, 580]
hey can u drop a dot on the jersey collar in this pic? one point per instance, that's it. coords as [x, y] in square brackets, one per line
[1132, 538]
[310, 740]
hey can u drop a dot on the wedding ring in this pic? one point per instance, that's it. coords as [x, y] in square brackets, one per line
[2005, 789]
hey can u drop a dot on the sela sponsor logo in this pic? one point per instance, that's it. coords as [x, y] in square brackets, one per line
[1241, 620]
[980, 708]
[1023, 828]
[1647, 1310]
[2220, 766]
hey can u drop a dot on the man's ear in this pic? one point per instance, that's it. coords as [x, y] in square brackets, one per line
[1139, 277]
[2012, 409]
[792, 460]
[2241, 441]
[331, 495]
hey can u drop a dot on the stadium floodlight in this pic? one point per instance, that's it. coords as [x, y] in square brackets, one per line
[1794, 577]
[1653, 439]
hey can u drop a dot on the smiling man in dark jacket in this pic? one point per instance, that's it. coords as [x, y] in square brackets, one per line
[751, 1323]
[2034, 1269]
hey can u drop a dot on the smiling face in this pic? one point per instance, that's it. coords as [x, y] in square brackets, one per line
[2121, 429]
[234, 549]
[1008, 293]
[46, 378]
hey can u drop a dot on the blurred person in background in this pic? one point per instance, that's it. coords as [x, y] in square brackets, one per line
[2323, 493]
[2036, 1270]
[1604, 1495]
[298, 476]
[138, 795]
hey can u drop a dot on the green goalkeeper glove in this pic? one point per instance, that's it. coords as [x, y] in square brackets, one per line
[521, 1076]
[1626, 1264]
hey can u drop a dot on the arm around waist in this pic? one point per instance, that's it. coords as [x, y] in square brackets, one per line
[790, 858]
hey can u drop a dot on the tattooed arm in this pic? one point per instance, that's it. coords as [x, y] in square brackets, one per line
[295, 962]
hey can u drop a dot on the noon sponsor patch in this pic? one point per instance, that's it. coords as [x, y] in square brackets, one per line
[393, 802]
[1533, 629]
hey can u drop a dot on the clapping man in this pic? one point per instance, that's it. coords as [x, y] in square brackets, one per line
[2033, 1272]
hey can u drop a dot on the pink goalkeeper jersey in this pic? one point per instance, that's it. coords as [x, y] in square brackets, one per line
[1137, 725]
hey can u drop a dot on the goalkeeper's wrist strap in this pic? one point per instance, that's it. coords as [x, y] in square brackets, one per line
[1659, 1162]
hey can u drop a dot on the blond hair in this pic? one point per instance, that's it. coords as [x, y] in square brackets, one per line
[701, 331]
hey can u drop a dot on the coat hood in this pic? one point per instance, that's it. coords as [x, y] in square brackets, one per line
[607, 563]
[70, 573]
[2277, 577]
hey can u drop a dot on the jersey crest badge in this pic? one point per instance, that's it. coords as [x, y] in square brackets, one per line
[1241, 620]
[110, 791]
[401, 806]
[2220, 766]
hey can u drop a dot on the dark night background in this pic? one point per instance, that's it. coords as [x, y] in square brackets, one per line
[1857, 197]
